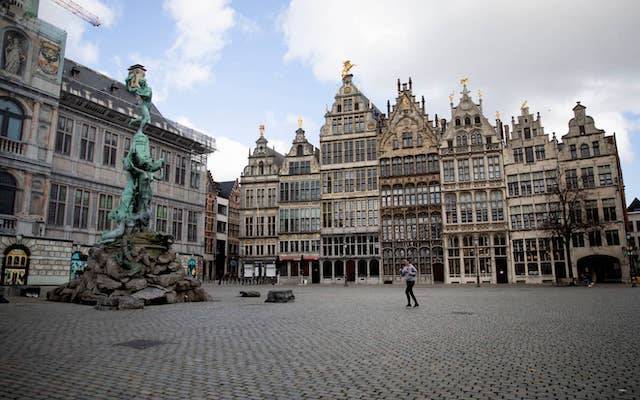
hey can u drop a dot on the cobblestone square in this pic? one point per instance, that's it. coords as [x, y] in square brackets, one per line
[333, 343]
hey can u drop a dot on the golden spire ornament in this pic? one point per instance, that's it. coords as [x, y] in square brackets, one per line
[464, 81]
[261, 127]
[497, 114]
[299, 122]
[346, 67]
[451, 97]
[524, 105]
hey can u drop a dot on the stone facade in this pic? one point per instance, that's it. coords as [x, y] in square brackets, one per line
[210, 228]
[61, 154]
[531, 170]
[474, 217]
[230, 190]
[350, 246]
[259, 210]
[299, 212]
[410, 198]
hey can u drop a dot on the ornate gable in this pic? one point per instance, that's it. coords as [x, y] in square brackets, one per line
[468, 123]
[408, 124]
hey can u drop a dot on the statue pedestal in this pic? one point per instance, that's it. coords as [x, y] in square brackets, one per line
[133, 271]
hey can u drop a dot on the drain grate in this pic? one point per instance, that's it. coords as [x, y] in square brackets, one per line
[141, 344]
[461, 312]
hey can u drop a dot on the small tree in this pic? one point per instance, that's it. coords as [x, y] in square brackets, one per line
[566, 218]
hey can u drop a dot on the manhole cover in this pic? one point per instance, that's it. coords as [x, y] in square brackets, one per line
[462, 313]
[141, 344]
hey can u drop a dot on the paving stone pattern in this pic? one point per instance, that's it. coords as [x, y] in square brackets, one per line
[331, 343]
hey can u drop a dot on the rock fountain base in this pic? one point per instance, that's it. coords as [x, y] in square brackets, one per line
[131, 272]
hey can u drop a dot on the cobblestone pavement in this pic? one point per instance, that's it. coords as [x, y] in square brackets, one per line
[333, 343]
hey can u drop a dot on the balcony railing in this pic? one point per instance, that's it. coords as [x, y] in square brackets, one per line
[11, 146]
[7, 224]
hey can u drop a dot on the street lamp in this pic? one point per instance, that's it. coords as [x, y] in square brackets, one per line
[475, 261]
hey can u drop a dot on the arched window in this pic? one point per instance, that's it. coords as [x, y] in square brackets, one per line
[476, 138]
[11, 117]
[457, 121]
[423, 226]
[467, 121]
[8, 188]
[299, 150]
[15, 266]
[261, 168]
[584, 150]
[477, 119]
[436, 226]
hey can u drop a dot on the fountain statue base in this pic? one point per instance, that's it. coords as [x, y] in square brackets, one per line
[133, 271]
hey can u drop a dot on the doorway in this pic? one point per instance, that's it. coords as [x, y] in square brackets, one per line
[600, 269]
[315, 272]
[438, 273]
[351, 271]
[502, 274]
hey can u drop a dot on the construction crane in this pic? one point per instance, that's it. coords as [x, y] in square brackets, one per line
[78, 10]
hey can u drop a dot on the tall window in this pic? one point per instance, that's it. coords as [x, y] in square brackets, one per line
[494, 167]
[612, 238]
[482, 208]
[571, 179]
[176, 224]
[8, 188]
[466, 208]
[528, 152]
[518, 155]
[604, 173]
[573, 151]
[161, 218]
[166, 156]
[540, 152]
[588, 179]
[372, 152]
[87, 142]
[110, 149]
[194, 177]
[451, 208]
[105, 205]
[497, 206]
[609, 209]
[57, 204]
[596, 148]
[248, 226]
[360, 150]
[478, 169]
[11, 117]
[448, 170]
[81, 209]
[192, 226]
[407, 139]
[63, 135]
[463, 170]
[432, 163]
[181, 169]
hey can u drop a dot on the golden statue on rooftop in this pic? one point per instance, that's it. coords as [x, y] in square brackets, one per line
[299, 122]
[464, 81]
[346, 67]
[524, 105]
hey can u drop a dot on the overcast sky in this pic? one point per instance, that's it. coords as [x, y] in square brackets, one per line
[225, 67]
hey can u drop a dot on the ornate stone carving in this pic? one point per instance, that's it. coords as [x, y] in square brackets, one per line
[49, 58]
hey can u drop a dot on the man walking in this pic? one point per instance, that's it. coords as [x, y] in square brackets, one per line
[409, 273]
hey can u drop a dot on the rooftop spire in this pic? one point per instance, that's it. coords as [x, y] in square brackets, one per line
[261, 128]
[299, 122]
